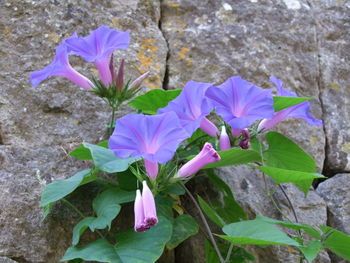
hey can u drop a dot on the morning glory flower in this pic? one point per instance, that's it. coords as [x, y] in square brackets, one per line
[224, 140]
[152, 137]
[98, 46]
[240, 103]
[60, 67]
[149, 206]
[139, 214]
[192, 107]
[299, 111]
[207, 155]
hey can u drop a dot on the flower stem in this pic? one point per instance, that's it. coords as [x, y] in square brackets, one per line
[211, 237]
[229, 252]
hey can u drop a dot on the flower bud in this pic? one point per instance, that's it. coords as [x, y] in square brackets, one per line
[207, 155]
[119, 81]
[225, 143]
[140, 225]
[209, 128]
[149, 206]
[137, 82]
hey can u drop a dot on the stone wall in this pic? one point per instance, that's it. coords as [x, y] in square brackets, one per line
[304, 42]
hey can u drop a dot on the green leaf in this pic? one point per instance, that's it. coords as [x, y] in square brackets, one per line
[80, 228]
[285, 154]
[107, 161]
[106, 207]
[336, 241]
[184, 226]
[100, 250]
[59, 189]
[210, 254]
[234, 156]
[256, 232]
[153, 100]
[175, 189]
[210, 212]
[84, 153]
[164, 206]
[280, 103]
[144, 247]
[308, 229]
[311, 250]
[231, 211]
[127, 180]
[302, 180]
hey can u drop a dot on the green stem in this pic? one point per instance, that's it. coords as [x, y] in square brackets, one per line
[79, 213]
[229, 252]
[211, 237]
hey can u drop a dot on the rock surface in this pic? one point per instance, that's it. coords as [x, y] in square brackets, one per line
[39, 125]
[335, 191]
[303, 42]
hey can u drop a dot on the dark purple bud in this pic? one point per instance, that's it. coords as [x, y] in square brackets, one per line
[244, 144]
[119, 81]
[111, 67]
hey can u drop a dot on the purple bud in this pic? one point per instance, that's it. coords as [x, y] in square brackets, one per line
[111, 67]
[225, 143]
[137, 82]
[151, 168]
[140, 225]
[244, 144]
[209, 128]
[119, 81]
[207, 155]
[149, 206]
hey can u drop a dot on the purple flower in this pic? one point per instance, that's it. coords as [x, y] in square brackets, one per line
[149, 206]
[207, 155]
[60, 67]
[191, 106]
[225, 143]
[155, 138]
[299, 111]
[140, 225]
[98, 46]
[240, 103]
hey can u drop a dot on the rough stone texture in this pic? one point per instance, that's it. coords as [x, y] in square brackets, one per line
[7, 260]
[303, 42]
[335, 191]
[333, 23]
[38, 126]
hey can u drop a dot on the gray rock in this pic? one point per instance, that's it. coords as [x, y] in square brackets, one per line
[332, 23]
[335, 191]
[7, 260]
[39, 125]
[210, 41]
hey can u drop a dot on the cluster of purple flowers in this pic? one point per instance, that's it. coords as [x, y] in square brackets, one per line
[156, 138]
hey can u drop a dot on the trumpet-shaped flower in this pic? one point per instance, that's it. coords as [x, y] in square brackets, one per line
[98, 46]
[225, 143]
[240, 103]
[139, 214]
[207, 155]
[192, 107]
[299, 111]
[60, 67]
[149, 206]
[155, 138]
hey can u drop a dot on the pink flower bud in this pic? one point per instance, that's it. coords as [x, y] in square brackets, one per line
[209, 128]
[225, 143]
[119, 81]
[140, 225]
[111, 67]
[149, 206]
[137, 82]
[207, 155]
[151, 168]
